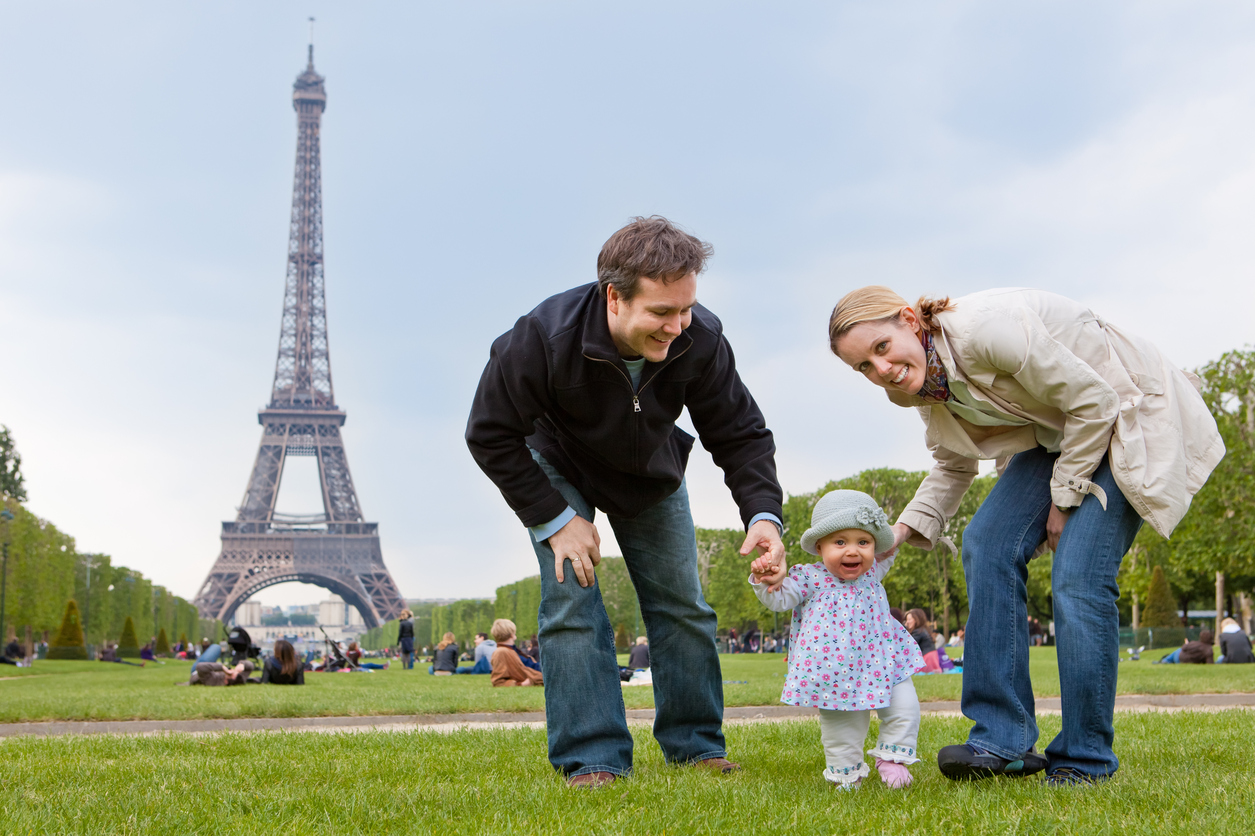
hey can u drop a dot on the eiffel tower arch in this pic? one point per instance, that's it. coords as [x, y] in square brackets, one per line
[336, 549]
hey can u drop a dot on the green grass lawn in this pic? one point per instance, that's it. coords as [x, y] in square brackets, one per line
[1181, 774]
[99, 691]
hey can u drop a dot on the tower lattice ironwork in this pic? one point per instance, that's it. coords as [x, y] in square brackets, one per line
[335, 549]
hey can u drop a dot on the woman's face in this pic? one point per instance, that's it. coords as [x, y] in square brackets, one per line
[910, 622]
[887, 352]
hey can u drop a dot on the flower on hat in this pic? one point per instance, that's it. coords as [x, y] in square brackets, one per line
[871, 516]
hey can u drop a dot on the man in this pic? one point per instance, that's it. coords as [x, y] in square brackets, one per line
[576, 411]
[484, 648]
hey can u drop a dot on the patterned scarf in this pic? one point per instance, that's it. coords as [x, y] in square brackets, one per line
[936, 385]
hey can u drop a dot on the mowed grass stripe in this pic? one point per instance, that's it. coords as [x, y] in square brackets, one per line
[1182, 773]
[102, 691]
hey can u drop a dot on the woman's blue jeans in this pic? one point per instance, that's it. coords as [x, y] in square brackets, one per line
[584, 714]
[997, 545]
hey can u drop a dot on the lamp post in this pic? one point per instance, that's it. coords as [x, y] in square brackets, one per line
[7, 516]
[87, 599]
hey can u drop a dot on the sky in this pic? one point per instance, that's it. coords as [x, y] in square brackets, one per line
[475, 156]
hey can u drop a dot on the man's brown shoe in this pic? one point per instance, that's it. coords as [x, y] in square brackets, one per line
[591, 779]
[719, 765]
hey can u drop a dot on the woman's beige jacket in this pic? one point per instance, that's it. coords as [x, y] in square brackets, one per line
[1088, 388]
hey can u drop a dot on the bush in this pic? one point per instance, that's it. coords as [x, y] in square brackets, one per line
[1161, 610]
[128, 645]
[68, 643]
[163, 643]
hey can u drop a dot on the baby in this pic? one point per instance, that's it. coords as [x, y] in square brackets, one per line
[848, 655]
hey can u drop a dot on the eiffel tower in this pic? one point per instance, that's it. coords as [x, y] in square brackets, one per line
[335, 549]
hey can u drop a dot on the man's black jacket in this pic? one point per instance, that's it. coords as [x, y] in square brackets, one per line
[555, 382]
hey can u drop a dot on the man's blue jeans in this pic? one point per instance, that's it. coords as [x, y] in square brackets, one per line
[584, 713]
[997, 545]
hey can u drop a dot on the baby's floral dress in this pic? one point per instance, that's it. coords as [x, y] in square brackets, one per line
[846, 651]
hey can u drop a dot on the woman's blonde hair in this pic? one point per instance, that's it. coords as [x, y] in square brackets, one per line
[502, 629]
[877, 303]
[445, 640]
[405, 613]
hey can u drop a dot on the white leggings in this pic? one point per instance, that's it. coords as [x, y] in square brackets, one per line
[844, 732]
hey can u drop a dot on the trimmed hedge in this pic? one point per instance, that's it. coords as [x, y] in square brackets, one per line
[68, 643]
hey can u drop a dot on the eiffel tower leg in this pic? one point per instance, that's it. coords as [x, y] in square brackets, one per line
[263, 484]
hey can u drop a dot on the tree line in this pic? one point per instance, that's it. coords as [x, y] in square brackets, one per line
[45, 570]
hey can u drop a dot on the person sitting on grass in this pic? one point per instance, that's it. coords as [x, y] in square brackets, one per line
[283, 668]
[509, 666]
[484, 648]
[217, 674]
[1192, 653]
[445, 662]
[638, 656]
[109, 653]
[1235, 647]
[917, 626]
[12, 653]
[851, 655]
[354, 654]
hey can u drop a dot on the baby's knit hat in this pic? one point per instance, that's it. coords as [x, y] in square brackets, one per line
[838, 510]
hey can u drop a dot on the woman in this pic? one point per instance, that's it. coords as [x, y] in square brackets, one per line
[405, 638]
[917, 625]
[1235, 647]
[445, 662]
[282, 668]
[1094, 431]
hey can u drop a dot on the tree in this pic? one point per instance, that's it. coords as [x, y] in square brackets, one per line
[68, 643]
[183, 640]
[12, 484]
[128, 645]
[1160, 608]
[163, 643]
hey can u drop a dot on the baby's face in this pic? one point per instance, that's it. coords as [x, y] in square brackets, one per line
[848, 553]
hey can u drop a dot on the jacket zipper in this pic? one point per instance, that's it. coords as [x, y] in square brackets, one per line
[636, 400]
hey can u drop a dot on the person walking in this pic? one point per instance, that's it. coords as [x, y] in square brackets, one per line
[576, 411]
[1094, 431]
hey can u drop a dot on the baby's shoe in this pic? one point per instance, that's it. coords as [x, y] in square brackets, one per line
[895, 775]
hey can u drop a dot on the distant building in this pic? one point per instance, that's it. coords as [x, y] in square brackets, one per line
[248, 614]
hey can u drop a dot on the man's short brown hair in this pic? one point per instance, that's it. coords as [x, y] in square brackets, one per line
[652, 248]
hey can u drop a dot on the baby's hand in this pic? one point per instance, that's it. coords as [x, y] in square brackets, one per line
[768, 572]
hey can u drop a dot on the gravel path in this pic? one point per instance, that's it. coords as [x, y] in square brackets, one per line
[536, 719]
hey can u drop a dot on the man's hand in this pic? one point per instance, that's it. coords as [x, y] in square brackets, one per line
[901, 531]
[578, 542]
[769, 567]
[1054, 526]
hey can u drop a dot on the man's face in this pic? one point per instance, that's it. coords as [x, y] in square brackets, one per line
[656, 315]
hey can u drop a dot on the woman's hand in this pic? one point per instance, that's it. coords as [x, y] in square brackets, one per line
[1054, 526]
[901, 532]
